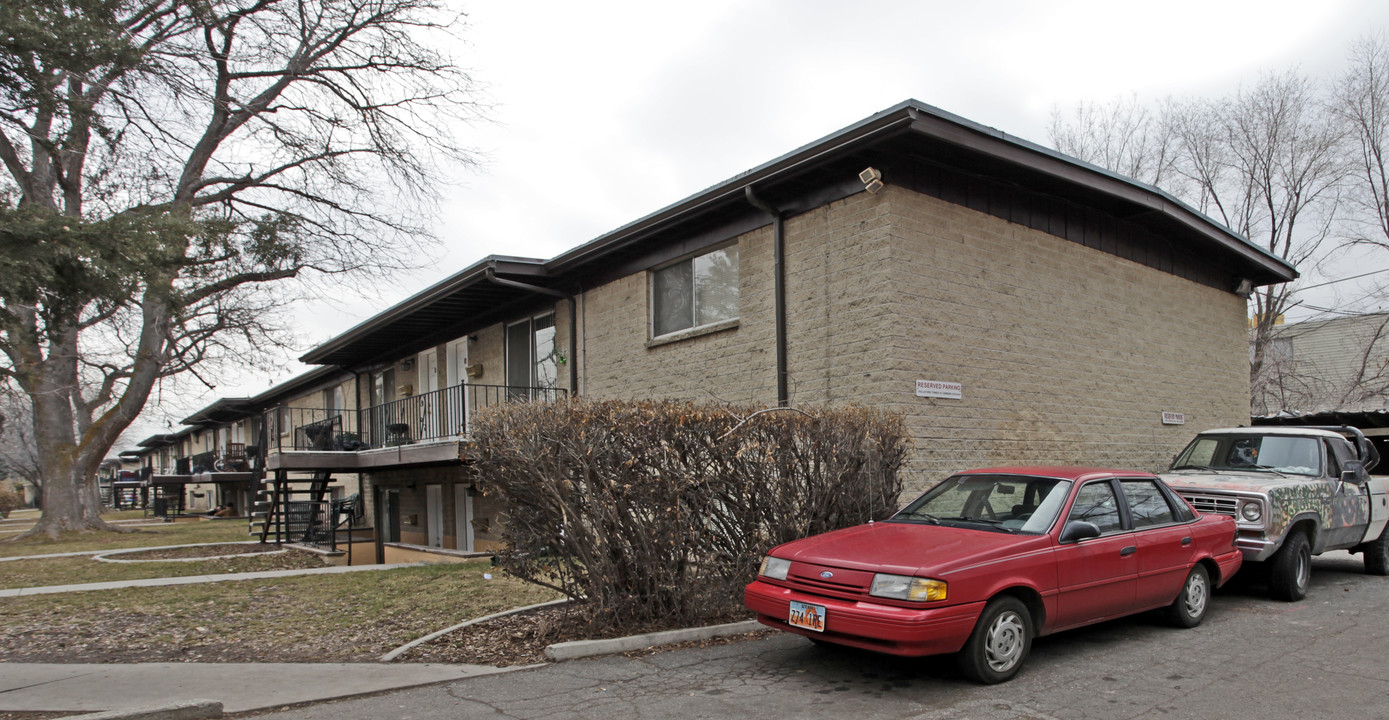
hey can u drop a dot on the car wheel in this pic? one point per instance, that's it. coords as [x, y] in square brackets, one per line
[1291, 571]
[1189, 609]
[1377, 554]
[1001, 639]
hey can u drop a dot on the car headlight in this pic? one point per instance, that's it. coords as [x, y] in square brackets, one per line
[1251, 510]
[901, 587]
[774, 568]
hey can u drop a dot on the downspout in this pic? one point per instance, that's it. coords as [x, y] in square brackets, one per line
[491, 276]
[783, 396]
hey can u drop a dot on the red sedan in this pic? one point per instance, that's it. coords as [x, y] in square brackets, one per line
[989, 559]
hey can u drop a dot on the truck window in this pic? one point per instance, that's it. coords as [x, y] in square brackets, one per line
[1201, 452]
[1259, 453]
[1333, 460]
[1340, 455]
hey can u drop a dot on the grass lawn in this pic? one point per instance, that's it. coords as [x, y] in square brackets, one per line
[82, 569]
[176, 533]
[323, 618]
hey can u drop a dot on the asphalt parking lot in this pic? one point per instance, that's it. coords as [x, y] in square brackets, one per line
[1253, 657]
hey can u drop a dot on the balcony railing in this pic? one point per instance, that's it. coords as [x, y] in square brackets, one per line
[235, 457]
[426, 417]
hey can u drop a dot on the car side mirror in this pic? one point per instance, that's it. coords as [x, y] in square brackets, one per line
[1077, 530]
[1350, 476]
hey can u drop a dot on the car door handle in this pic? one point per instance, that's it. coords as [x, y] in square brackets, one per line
[1186, 540]
[1128, 551]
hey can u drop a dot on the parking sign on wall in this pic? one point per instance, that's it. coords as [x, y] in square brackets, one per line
[938, 389]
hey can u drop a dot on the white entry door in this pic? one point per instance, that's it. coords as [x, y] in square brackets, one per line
[434, 509]
[456, 399]
[429, 400]
[463, 520]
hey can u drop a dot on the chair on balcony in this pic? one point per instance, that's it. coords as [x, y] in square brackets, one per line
[398, 434]
[319, 435]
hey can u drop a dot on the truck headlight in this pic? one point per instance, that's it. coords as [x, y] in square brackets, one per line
[1251, 510]
[774, 568]
[901, 587]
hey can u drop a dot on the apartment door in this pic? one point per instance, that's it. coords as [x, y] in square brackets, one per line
[456, 398]
[434, 509]
[429, 398]
[387, 520]
[463, 517]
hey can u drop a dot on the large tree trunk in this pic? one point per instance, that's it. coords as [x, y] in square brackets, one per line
[72, 503]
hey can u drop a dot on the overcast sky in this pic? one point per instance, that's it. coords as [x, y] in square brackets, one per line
[603, 112]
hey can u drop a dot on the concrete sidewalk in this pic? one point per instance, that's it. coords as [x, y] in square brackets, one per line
[49, 687]
[195, 579]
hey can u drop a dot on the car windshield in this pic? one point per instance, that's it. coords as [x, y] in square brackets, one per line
[1005, 503]
[1260, 453]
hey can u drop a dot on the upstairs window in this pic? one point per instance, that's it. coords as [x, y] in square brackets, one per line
[697, 291]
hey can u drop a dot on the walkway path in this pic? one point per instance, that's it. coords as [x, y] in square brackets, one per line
[194, 579]
[48, 687]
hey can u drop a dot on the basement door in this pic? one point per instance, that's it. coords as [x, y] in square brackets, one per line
[463, 517]
[434, 507]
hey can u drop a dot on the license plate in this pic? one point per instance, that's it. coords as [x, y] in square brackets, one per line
[807, 616]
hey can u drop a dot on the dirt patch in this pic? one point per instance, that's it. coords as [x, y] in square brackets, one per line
[323, 618]
[196, 551]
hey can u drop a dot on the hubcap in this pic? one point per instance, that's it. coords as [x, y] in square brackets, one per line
[1304, 568]
[1003, 648]
[1196, 592]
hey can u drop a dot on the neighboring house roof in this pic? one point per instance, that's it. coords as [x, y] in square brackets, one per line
[906, 142]
[223, 411]
[294, 386]
[1339, 364]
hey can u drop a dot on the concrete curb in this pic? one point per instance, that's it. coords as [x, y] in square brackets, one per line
[392, 655]
[589, 648]
[191, 710]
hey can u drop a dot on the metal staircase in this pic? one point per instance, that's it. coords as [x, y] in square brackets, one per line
[291, 510]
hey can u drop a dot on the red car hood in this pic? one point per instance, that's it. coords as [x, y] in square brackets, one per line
[908, 548]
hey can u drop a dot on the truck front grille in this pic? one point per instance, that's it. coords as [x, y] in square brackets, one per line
[1212, 505]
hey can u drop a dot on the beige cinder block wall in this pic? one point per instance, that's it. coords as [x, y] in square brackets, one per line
[1066, 354]
[736, 365]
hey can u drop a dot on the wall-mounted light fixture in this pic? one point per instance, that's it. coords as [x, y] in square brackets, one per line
[872, 179]
[1245, 289]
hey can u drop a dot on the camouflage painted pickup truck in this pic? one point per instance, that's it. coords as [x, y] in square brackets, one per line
[1294, 492]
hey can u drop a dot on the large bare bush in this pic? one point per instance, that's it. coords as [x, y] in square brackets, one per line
[659, 511]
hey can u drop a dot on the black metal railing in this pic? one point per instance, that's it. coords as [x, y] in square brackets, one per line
[429, 416]
[203, 461]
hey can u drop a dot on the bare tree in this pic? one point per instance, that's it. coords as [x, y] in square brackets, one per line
[1360, 101]
[18, 459]
[1266, 162]
[1122, 135]
[170, 164]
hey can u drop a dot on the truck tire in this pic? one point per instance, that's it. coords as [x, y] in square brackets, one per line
[1377, 554]
[1290, 570]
